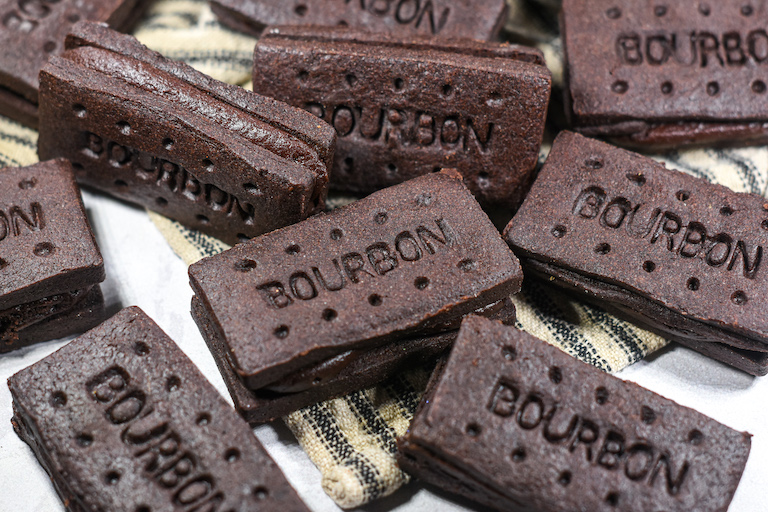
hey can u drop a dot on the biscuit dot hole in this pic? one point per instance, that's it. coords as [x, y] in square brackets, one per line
[693, 284]
[207, 165]
[764, 224]
[375, 300]
[667, 88]
[682, 195]
[713, 88]
[473, 430]
[613, 13]
[447, 90]
[747, 10]
[293, 249]
[559, 231]
[329, 314]
[302, 74]
[612, 499]
[260, 492]
[636, 178]
[203, 419]
[79, 110]
[351, 79]
[437, 169]
[3, 263]
[112, 477]
[601, 395]
[202, 219]
[603, 248]
[252, 188]
[282, 331]
[173, 383]
[483, 179]
[647, 415]
[168, 143]
[124, 127]
[518, 455]
[85, 440]
[121, 184]
[161, 201]
[739, 298]
[73, 18]
[509, 352]
[556, 375]
[660, 10]
[242, 237]
[399, 84]
[245, 265]
[380, 218]
[704, 9]
[726, 211]
[467, 265]
[421, 283]
[58, 399]
[336, 234]
[44, 249]
[565, 478]
[594, 163]
[649, 266]
[347, 165]
[695, 437]
[27, 184]
[300, 10]
[758, 87]
[49, 47]
[391, 168]
[620, 86]
[232, 455]
[141, 348]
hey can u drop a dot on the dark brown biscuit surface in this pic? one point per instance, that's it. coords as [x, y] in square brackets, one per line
[679, 250]
[339, 375]
[156, 132]
[476, 19]
[541, 431]
[404, 260]
[668, 74]
[31, 31]
[123, 421]
[403, 107]
[49, 259]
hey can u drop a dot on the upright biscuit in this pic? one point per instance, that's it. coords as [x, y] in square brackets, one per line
[667, 74]
[476, 19]
[32, 31]
[541, 431]
[156, 132]
[408, 259]
[123, 421]
[403, 107]
[50, 264]
[677, 254]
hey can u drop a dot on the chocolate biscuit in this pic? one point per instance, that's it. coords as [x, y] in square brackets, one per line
[158, 133]
[674, 253]
[49, 261]
[475, 19]
[122, 420]
[31, 31]
[403, 107]
[408, 260]
[667, 74]
[334, 377]
[542, 431]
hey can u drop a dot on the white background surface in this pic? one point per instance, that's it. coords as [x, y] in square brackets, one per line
[142, 270]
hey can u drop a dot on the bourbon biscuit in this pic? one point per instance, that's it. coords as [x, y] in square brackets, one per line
[31, 31]
[400, 262]
[156, 132]
[49, 261]
[675, 253]
[541, 431]
[475, 19]
[122, 420]
[669, 74]
[403, 107]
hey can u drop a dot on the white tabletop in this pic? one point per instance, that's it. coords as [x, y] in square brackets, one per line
[142, 270]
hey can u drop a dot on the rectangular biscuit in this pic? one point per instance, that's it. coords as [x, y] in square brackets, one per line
[334, 377]
[475, 19]
[403, 107]
[156, 132]
[122, 420]
[406, 260]
[667, 74]
[33, 31]
[673, 252]
[517, 424]
[49, 260]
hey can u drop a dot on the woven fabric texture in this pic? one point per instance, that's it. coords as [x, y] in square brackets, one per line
[352, 439]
